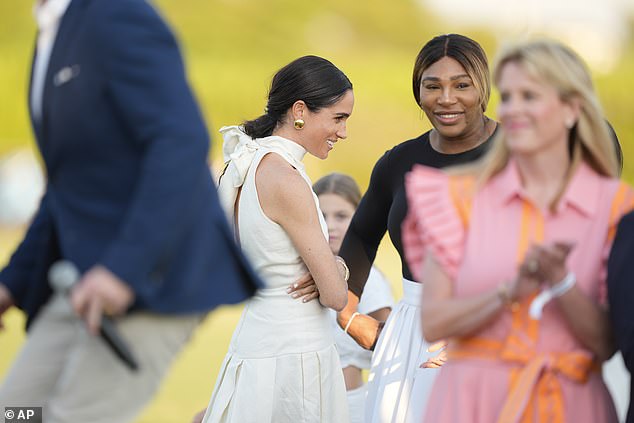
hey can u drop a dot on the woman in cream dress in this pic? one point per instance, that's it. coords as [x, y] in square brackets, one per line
[282, 364]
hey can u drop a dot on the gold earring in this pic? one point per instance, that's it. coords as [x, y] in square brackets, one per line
[298, 124]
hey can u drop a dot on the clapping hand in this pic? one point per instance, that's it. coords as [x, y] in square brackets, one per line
[551, 261]
[542, 264]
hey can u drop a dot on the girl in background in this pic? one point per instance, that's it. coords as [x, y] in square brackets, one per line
[339, 196]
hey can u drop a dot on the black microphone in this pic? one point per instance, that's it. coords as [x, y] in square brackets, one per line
[62, 276]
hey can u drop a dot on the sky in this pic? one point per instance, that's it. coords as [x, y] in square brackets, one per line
[596, 29]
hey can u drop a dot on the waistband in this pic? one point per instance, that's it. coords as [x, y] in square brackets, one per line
[533, 379]
[274, 323]
[412, 292]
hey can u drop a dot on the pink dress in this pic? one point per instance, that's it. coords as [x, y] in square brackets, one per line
[515, 369]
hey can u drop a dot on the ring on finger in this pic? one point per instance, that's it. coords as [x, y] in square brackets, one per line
[532, 266]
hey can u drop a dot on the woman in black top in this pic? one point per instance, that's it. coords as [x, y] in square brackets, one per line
[451, 85]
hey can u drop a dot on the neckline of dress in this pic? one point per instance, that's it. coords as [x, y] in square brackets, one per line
[293, 149]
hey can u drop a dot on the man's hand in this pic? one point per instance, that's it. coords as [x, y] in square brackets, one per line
[6, 302]
[100, 291]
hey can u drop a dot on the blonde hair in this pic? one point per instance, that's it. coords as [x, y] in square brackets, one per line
[555, 64]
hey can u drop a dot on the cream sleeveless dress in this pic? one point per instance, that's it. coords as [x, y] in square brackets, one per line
[282, 365]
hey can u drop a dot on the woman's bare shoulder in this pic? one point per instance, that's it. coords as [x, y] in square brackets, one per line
[281, 188]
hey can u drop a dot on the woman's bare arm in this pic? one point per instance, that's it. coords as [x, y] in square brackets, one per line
[286, 198]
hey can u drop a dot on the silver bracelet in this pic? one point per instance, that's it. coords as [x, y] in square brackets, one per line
[557, 290]
[563, 286]
[355, 314]
[346, 275]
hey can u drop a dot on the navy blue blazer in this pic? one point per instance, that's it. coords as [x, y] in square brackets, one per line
[621, 295]
[125, 150]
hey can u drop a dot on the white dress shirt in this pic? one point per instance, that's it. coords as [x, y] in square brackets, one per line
[47, 13]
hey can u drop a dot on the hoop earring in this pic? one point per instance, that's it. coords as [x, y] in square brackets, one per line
[298, 124]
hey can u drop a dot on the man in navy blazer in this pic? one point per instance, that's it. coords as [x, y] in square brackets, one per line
[129, 200]
[621, 295]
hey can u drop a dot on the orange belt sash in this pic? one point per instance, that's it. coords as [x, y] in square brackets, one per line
[534, 383]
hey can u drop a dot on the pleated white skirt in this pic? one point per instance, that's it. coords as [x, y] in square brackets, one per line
[398, 388]
[282, 366]
[356, 403]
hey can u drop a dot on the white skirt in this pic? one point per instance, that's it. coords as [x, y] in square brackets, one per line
[356, 403]
[282, 366]
[398, 388]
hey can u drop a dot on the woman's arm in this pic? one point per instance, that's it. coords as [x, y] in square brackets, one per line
[381, 314]
[444, 316]
[587, 320]
[287, 199]
[367, 228]
[363, 328]
[378, 299]
[358, 249]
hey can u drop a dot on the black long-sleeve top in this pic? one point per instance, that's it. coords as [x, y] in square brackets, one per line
[384, 205]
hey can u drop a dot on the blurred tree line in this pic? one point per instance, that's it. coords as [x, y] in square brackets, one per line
[233, 47]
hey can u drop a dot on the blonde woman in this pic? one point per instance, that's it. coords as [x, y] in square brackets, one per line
[515, 250]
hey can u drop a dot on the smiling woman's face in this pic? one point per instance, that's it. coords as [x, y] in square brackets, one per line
[328, 125]
[532, 114]
[450, 99]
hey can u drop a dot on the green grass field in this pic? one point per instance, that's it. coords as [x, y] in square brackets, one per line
[232, 48]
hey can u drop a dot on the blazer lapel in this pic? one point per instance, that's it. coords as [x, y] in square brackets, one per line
[64, 36]
[35, 123]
